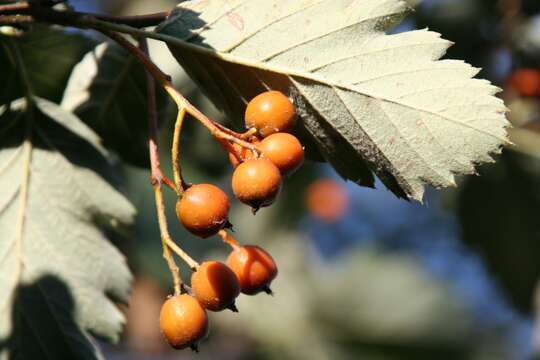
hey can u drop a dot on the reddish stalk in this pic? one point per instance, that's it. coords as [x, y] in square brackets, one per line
[229, 239]
[182, 103]
[157, 175]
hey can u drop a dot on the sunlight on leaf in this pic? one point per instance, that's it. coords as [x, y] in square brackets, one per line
[370, 100]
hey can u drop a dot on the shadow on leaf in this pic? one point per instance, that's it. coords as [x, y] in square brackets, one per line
[43, 324]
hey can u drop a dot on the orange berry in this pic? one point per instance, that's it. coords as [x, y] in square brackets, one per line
[256, 182]
[183, 321]
[270, 112]
[203, 209]
[254, 268]
[327, 199]
[526, 82]
[284, 150]
[215, 285]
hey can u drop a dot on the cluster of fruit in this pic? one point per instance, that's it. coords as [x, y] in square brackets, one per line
[203, 210]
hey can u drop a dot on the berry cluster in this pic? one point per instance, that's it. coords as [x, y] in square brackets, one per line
[203, 210]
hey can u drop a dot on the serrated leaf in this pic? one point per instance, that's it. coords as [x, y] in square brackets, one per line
[370, 100]
[58, 271]
[48, 55]
[107, 90]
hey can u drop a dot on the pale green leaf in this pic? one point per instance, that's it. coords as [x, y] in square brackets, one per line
[58, 271]
[365, 97]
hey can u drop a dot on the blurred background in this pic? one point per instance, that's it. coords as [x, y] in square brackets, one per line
[362, 274]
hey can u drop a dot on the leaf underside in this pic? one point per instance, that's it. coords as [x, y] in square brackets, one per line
[58, 271]
[372, 102]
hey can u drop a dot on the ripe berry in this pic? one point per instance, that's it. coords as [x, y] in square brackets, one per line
[284, 150]
[270, 112]
[203, 209]
[215, 285]
[254, 268]
[256, 182]
[183, 321]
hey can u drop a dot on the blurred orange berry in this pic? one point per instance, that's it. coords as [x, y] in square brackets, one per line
[526, 82]
[327, 199]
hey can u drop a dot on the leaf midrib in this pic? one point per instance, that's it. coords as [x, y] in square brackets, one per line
[117, 84]
[309, 76]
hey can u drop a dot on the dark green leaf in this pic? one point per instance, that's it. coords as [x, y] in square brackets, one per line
[48, 55]
[499, 213]
[107, 90]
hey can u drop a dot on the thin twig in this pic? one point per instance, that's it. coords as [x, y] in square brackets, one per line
[229, 239]
[248, 134]
[155, 163]
[166, 239]
[15, 8]
[137, 21]
[231, 149]
[15, 19]
[43, 8]
[193, 265]
[175, 153]
[177, 97]
[157, 174]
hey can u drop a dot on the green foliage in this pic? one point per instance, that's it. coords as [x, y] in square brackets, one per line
[48, 55]
[107, 90]
[375, 105]
[59, 272]
[499, 215]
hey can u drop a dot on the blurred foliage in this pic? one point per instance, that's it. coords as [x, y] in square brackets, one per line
[368, 304]
[500, 218]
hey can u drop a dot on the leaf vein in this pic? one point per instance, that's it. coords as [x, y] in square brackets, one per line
[264, 26]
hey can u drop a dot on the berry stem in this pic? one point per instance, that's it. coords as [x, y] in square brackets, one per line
[175, 153]
[248, 134]
[231, 149]
[166, 240]
[229, 239]
[168, 182]
[214, 128]
[157, 174]
[111, 27]
[181, 102]
[193, 265]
